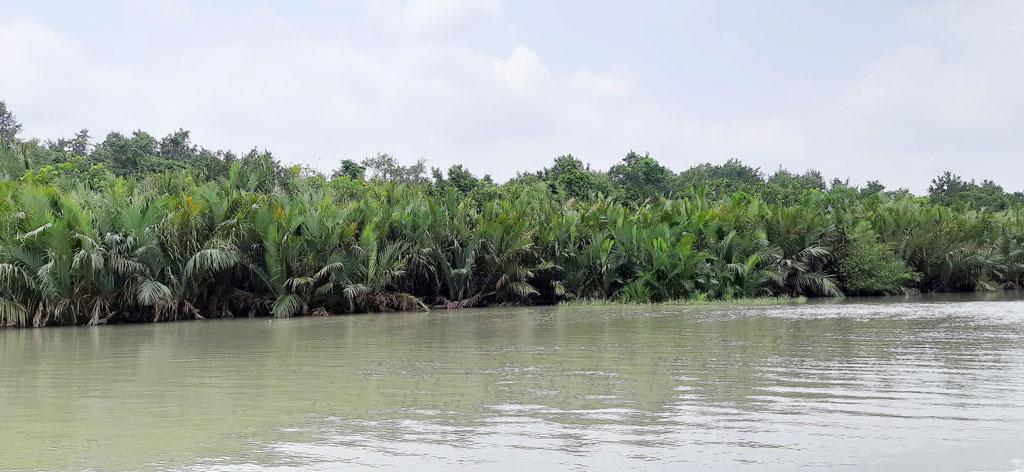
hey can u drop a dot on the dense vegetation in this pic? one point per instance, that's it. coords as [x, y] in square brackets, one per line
[135, 228]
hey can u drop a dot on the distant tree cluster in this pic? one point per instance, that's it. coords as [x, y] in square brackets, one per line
[636, 178]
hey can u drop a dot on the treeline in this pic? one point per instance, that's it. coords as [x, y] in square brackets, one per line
[134, 228]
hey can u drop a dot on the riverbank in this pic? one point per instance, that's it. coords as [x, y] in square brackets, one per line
[1000, 295]
[756, 301]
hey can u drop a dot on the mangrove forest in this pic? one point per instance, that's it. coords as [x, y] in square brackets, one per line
[135, 228]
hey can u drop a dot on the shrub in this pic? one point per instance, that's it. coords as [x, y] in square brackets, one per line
[870, 267]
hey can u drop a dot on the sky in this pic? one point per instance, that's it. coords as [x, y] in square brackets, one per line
[888, 90]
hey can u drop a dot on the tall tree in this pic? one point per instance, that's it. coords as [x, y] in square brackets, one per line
[9, 125]
[350, 169]
[80, 145]
[641, 176]
[946, 188]
[177, 146]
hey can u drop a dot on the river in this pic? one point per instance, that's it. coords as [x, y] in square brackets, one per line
[924, 383]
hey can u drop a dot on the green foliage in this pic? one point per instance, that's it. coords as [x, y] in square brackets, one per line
[140, 229]
[385, 168]
[576, 180]
[725, 179]
[949, 189]
[789, 188]
[641, 177]
[259, 242]
[869, 267]
[77, 146]
[13, 161]
[350, 169]
[9, 124]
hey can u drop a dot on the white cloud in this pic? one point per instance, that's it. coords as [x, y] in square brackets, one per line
[413, 78]
[430, 17]
[946, 99]
[604, 84]
[36, 59]
[522, 70]
[773, 136]
[318, 98]
[916, 82]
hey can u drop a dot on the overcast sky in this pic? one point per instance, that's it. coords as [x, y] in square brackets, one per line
[897, 91]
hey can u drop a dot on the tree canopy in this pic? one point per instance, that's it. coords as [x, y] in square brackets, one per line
[139, 228]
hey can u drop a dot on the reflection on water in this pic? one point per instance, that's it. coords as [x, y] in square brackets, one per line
[932, 383]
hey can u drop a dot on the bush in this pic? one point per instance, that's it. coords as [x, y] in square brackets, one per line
[870, 267]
